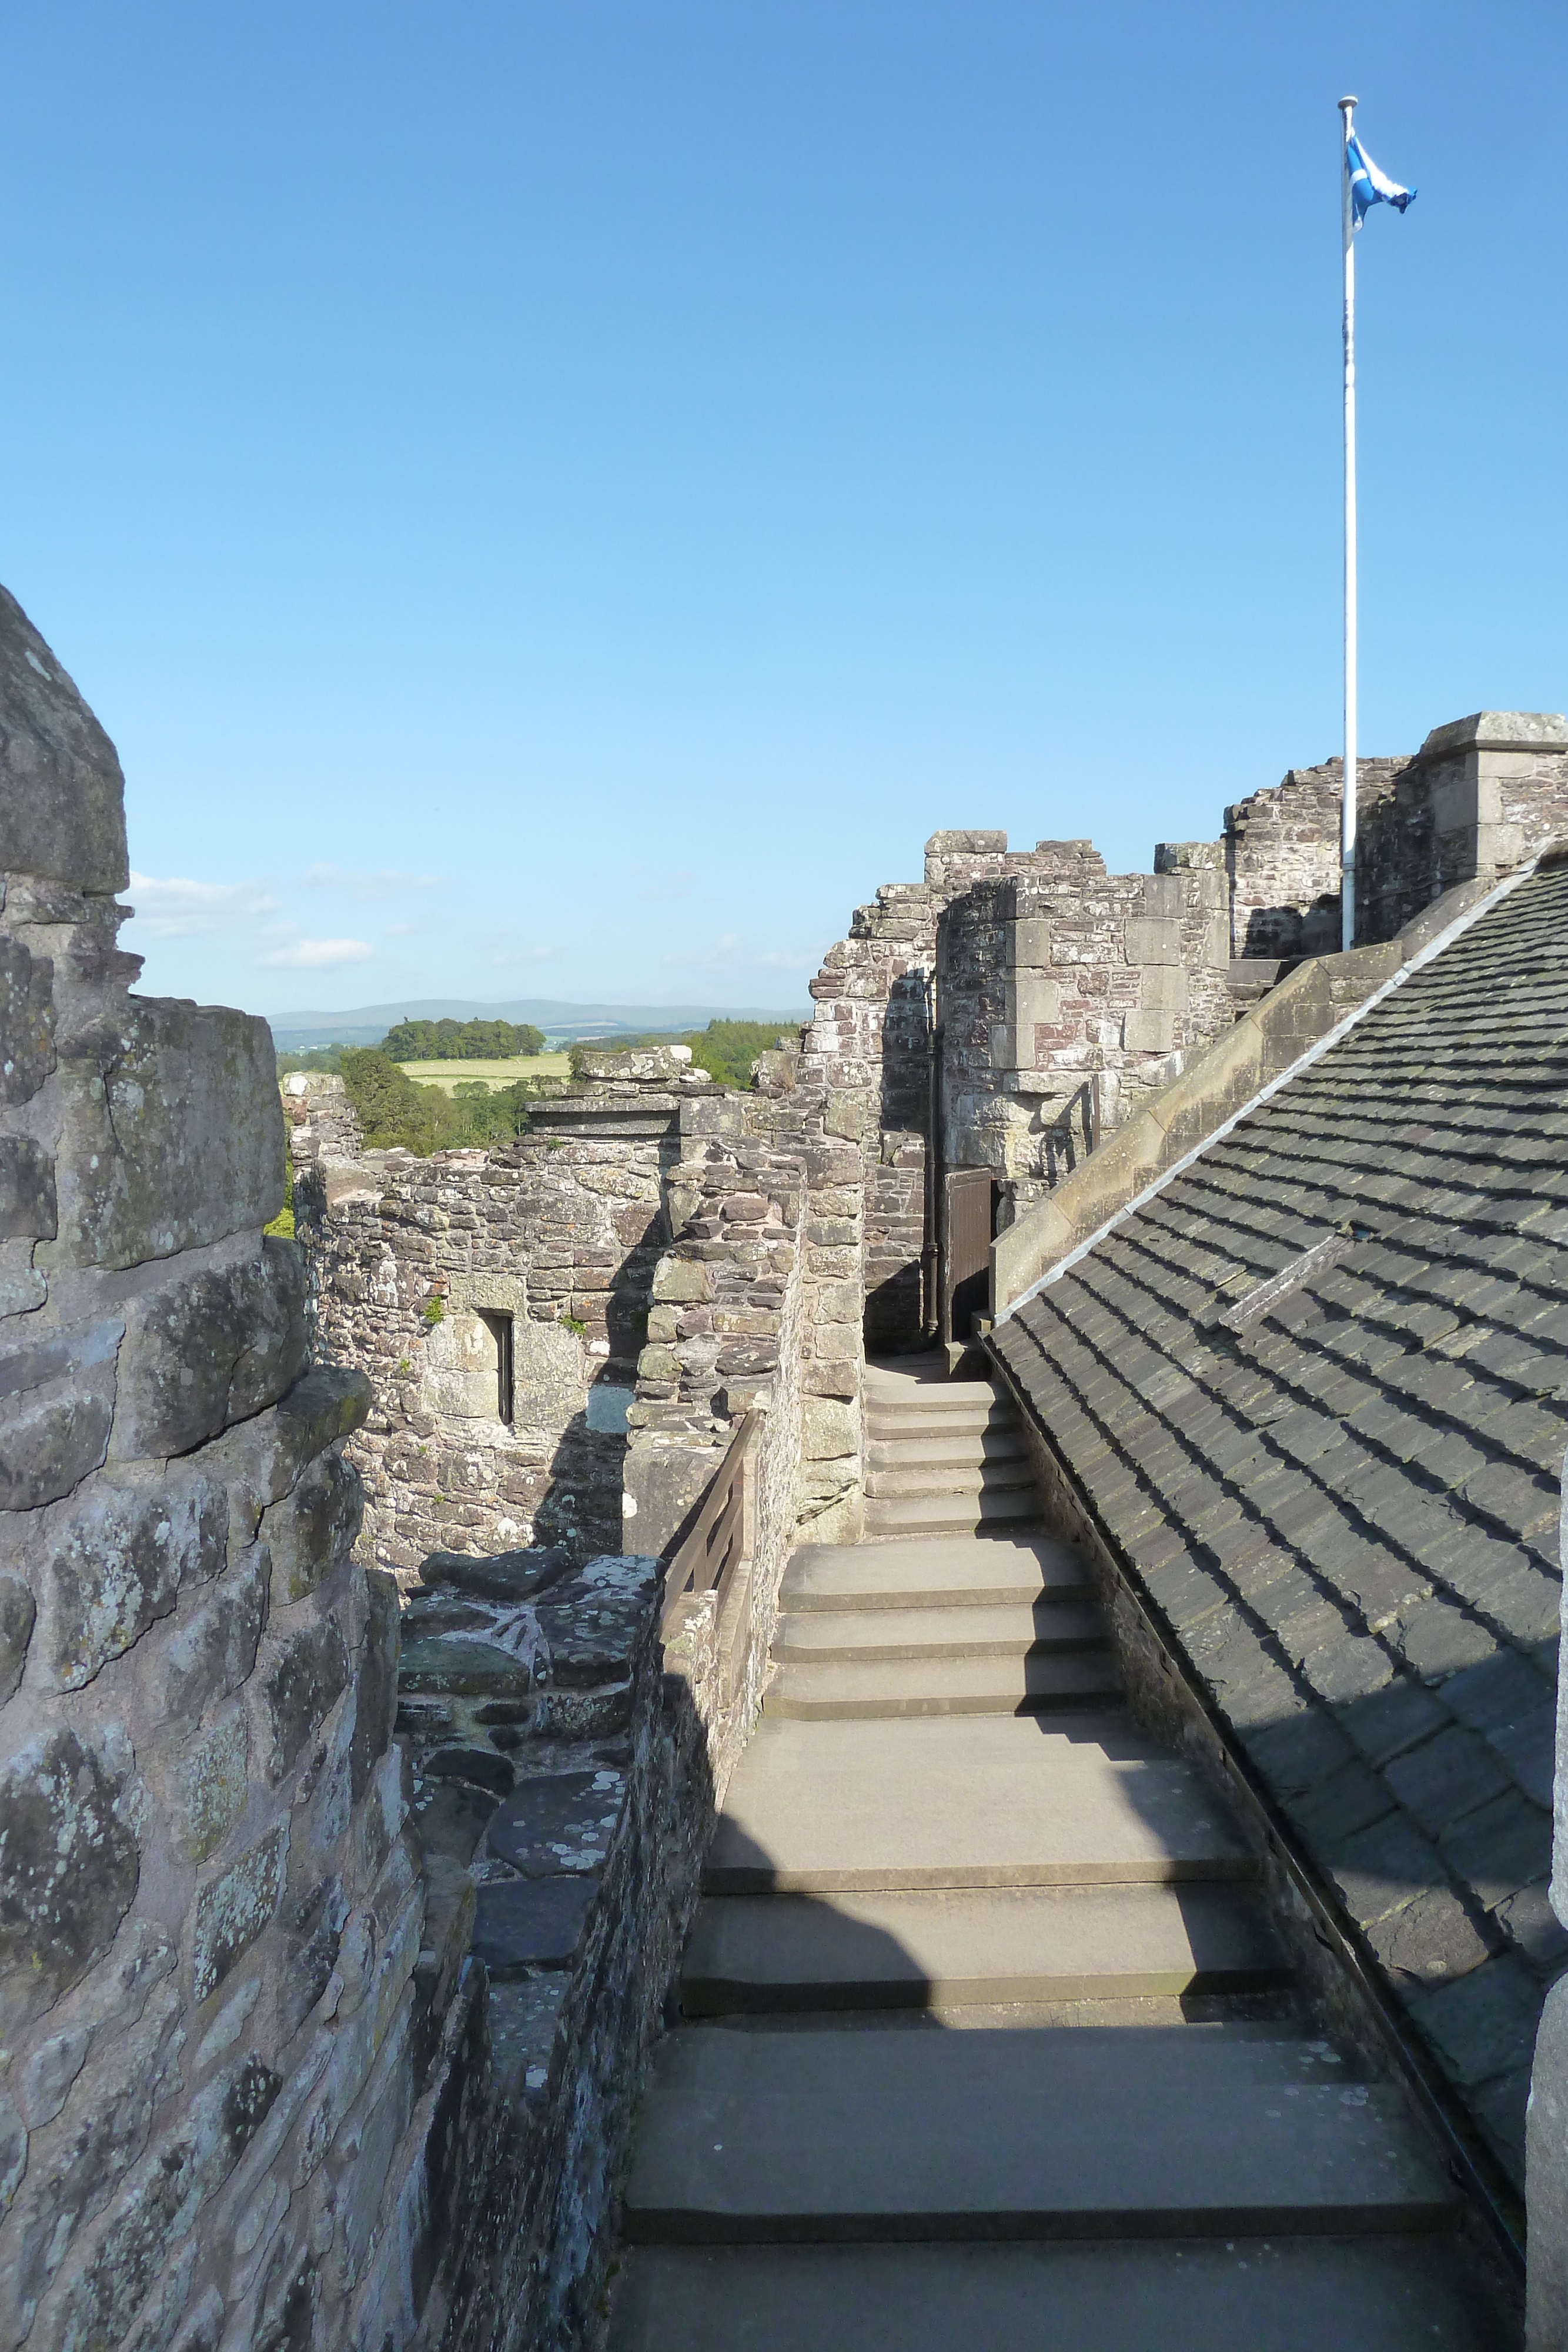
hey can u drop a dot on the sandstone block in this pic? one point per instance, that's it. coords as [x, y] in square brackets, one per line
[26, 1020]
[232, 1909]
[1156, 940]
[203, 1350]
[1161, 987]
[1031, 942]
[213, 1654]
[179, 1142]
[1148, 1032]
[116, 1564]
[299, 1684]
[314, 1529]
[27, 1190]
[658, 1364]
[664, 1324]
[210, 1787]
[68, 1864]
[831, 1377]
[17, 1614]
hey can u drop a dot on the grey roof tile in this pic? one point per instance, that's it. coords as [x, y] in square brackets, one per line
[1529, 1922]
[1484, 2025]
[1429, 1941]
[1501, 1847]
[1346, 1511]
[1445, 1777]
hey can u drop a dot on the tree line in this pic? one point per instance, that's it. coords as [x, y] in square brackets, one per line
[461, 1041]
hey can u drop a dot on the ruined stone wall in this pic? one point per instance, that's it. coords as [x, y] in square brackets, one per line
[1062, 985]
[318, 1119]
[416, 1263]
[1483, 794]
[210, 1907]
[1283, 857]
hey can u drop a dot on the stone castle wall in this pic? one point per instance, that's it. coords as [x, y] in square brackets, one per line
[210, 1905]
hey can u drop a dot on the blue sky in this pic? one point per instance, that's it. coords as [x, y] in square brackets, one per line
[561, 500]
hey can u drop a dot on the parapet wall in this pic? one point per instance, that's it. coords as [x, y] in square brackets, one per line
[210, 1903]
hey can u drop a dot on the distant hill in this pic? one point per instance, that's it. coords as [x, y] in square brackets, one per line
[367, 1024]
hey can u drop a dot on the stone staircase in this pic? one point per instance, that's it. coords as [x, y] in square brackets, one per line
[943, 1457]
[986, 2034]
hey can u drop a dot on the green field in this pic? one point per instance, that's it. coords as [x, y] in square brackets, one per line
[449, 1076]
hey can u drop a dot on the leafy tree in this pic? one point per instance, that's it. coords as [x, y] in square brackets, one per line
[461, 1041]
[318, 1057]
[395, 1112]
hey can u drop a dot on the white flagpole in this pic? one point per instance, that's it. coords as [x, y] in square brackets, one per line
[1348, 795]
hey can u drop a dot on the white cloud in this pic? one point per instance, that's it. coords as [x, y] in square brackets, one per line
[362, 885]
[177, 910]
[320, 955]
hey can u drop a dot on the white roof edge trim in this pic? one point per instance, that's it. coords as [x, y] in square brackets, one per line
[1331, 1037]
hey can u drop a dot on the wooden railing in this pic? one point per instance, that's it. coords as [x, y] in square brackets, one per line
[720, 1536]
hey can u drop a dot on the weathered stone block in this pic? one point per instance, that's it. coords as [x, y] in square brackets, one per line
[660, 1484]
[314, 1529]
[27, 1190]
[26, 1020]
[62, 808]
[299, 1684]
[203, 1350]
[658, 1363]
[68, 1864]
[17, 1614]
[681, 1280]
[828, 1429]
[116, 1564]
[178, 1143]
[233, 1909]
[136, 2070]
[57, 1390]
[209, 1787]
[375, 1689]
[213, 1653]
[166, 2192]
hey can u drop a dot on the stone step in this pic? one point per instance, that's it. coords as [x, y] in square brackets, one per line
[964, 1801]
[760, 1953]
[918, 1475]
[752, 2137]
[949, 1515]
[1397, 2294]
[1037, 1684]
[938, 1419]
[939, 1572]
[920, 1379]
[1004, 1630]
[959, 1451]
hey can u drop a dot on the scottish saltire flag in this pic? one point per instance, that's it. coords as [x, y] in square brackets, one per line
[1368, 185]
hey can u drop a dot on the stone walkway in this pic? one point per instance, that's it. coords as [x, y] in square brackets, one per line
[986, 2034]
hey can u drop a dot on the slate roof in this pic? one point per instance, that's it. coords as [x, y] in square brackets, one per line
[1317, 1391]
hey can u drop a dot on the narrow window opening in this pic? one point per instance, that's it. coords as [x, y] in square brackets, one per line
[499, 1326]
